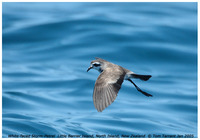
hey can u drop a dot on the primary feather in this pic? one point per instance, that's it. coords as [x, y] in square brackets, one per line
[107, 87]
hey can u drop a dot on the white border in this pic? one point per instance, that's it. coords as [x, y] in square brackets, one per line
[198, 58]
[1, 68]
[99, 1]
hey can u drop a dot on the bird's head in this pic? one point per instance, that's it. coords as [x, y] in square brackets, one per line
[98, 64]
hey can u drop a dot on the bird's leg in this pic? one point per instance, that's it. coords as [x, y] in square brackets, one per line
[146, 94]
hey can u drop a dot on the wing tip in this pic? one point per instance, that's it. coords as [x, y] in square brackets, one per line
[99, 110]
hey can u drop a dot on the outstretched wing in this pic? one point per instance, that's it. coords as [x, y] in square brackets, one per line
[106, 88]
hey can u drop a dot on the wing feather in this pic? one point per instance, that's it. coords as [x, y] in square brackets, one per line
[109, 98]
[106, 88]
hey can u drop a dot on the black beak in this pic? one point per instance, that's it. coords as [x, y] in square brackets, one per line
[89, 68]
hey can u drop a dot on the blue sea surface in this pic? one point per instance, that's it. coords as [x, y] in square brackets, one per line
[47, 48]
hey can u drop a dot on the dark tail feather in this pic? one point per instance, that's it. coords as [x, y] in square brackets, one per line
[141, 77]
[146, 94]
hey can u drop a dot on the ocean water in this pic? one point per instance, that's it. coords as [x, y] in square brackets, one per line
[47, 48]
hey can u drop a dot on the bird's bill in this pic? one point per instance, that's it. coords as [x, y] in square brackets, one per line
[89, 68]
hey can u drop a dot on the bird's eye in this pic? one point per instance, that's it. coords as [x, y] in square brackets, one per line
[96, 65]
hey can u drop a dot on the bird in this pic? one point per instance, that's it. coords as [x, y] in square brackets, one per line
[109, 82]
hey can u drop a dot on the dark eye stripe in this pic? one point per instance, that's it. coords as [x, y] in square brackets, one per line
[96, 65]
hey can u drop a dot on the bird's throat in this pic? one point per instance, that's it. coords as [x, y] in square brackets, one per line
[100, 70]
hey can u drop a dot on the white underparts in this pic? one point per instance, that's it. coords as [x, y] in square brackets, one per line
[128, 75]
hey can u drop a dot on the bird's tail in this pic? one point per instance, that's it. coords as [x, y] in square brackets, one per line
[141, 77]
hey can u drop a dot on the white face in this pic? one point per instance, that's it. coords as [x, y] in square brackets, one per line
[96, 65]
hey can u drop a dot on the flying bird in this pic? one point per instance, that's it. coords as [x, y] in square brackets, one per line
[109, 82]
